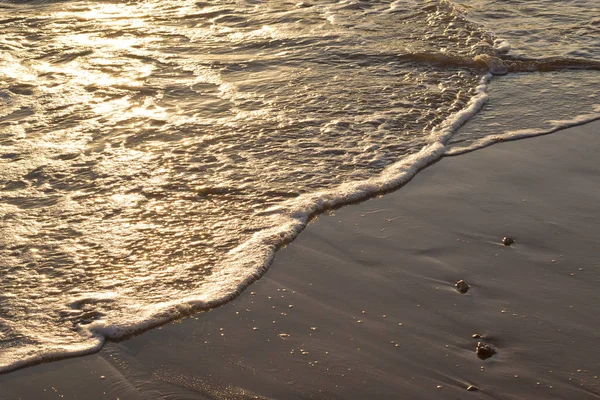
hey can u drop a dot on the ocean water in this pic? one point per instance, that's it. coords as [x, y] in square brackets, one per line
[154, 155]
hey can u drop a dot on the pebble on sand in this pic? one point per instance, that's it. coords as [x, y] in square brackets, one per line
[507, 241]
[485, 350]
[462, 286]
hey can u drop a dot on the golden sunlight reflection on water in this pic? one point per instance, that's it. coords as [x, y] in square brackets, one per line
[146, 145]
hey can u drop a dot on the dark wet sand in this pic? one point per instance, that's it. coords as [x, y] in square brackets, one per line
[376, 282]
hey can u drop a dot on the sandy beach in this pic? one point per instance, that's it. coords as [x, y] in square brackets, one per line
[363, 304]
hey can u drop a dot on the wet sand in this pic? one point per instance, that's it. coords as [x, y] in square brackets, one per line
[363, 304]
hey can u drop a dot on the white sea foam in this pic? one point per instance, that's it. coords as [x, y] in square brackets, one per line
[502, 46]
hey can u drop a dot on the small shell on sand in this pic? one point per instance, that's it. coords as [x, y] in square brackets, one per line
[472, 388]
[485, 350]
[462, 286]
[507, 241]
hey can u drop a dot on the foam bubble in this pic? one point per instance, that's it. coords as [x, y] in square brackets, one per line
[501, 46]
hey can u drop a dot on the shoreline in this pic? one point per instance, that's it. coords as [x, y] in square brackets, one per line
[397, 256]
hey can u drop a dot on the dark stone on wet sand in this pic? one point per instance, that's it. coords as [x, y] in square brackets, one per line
[485, 350]
[462, 286]
[472, 388]
[476, 336]
[507, 241]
